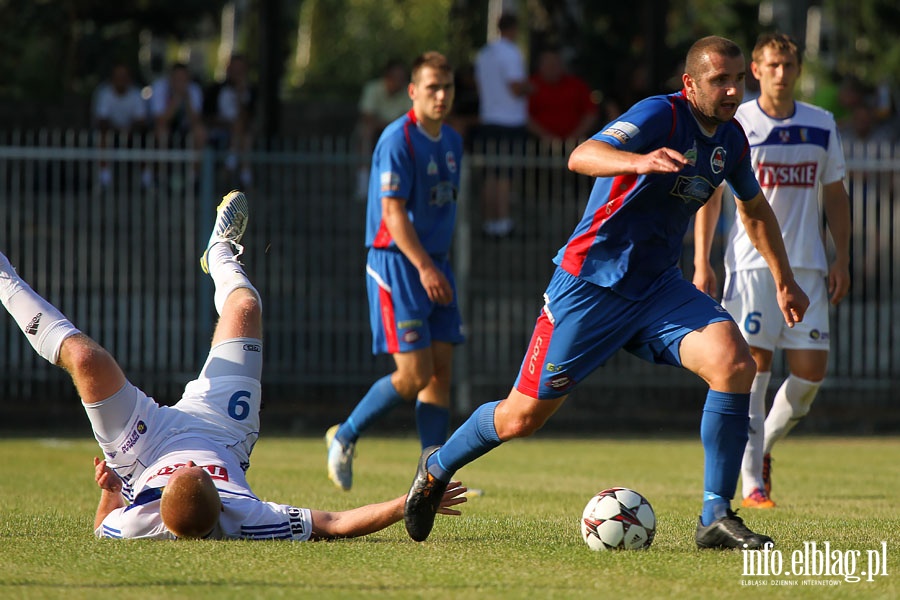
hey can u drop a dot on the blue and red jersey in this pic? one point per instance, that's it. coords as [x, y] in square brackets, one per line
[631, 235]
[408, 163]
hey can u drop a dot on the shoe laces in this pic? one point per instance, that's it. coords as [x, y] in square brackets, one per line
[734, 524]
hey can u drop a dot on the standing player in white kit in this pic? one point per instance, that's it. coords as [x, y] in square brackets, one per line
[795, 150]
[179, 472]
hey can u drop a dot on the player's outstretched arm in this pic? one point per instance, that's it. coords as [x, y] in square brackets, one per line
[704, 230]
[763, 230]
[599, 159]
[110, 491]
[375, 517]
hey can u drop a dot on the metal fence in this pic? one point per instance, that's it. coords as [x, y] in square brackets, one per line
[120, 260]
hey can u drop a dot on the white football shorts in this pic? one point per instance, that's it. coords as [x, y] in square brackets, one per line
[750, 298]
[222, 409]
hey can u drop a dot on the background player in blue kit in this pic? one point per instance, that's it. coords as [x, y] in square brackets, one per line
[178, 471]
[412, 295]
[617, 285]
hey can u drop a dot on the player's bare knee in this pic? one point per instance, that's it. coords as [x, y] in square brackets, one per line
[82, 355]
[245, 302]
[733, 372]
[409, 383]
[519, 426]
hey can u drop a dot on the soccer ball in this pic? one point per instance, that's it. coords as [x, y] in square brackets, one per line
[618, 519]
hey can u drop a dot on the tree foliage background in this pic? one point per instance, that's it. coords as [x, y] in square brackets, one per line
[54, 50]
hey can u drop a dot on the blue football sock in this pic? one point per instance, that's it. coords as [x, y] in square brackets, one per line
[378, 401]
[723, 431]
[476, 437]
[432, 421]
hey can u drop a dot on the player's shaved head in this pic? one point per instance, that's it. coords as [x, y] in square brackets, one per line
[190, 504]
[697, 61]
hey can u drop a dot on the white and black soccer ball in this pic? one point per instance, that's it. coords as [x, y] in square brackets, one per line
[618, 519]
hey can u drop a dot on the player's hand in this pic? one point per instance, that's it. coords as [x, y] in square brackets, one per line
[705, 279]
[436, 285]
[838, 282]
[793, 302]
[661, 160]
[106, 478]
[452, 496]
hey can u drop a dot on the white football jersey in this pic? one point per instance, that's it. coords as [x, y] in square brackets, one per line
[790, 157]
[244, 516]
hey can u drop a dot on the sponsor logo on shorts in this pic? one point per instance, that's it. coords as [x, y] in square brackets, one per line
[252, 348]
[819, 336]
[411, 336]
[560, 382]
[622, 131]
[32, 327]
[139, 429]
[553, 368]
[409, 324]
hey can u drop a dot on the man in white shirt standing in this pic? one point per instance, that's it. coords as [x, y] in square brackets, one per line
[795, 151]
[119, 113]
[503, 89]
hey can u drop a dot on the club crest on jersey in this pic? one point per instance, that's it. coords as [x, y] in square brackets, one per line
[693, 189]
[784, 135]
[451, 162]
[691, 155]
[622, 131]
[717, 160]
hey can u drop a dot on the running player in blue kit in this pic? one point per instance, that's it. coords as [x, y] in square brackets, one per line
[617, 285]
[413, 309]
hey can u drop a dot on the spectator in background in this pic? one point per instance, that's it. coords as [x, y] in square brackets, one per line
[229, 107]
[119, 113]
[560, 106]
[503, 89]
[863, 120]
[383, 100]
[176, 106]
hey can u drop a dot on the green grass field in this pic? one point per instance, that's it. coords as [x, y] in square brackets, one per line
[521, 539]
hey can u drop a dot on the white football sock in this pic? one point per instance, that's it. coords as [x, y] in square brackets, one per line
[751, 467]
[44, 326]
[791, 403]
[227, 274]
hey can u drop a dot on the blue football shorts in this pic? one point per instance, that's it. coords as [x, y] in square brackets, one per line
[582, 325]
[402, 317]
